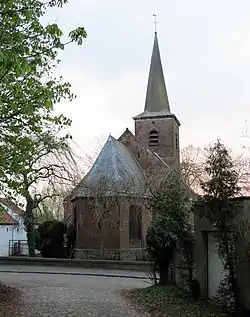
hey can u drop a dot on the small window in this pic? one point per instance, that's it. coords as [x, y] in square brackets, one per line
[135, 223]
[153, 138]
[176, 141]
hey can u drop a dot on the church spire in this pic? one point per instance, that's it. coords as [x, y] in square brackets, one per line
[157, 98]
[156, 103]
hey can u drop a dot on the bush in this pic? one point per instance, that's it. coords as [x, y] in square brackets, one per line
[42, 234]
[160, 248]
[171, 206]
[50, 239]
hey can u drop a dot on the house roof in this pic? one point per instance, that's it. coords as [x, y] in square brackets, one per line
[114, 171]
[5, 217]
[13, 207]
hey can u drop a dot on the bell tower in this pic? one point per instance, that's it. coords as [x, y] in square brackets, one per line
[157, 127]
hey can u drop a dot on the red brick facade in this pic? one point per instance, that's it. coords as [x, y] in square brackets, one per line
[168, 137]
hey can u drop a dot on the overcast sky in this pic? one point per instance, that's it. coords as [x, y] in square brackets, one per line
[205, 50]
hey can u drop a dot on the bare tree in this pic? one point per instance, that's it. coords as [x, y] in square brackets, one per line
[191, 167]
[89, 159]
[193, 173]
[48, 161]
[52, 206]
[106, 199]
[242, 166]
[105, 207]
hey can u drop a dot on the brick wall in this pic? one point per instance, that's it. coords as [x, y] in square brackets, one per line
[88, 234]
[168, 135]
[154, 168]
[145, 157]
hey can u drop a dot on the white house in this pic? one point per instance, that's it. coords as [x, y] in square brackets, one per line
[12, 233]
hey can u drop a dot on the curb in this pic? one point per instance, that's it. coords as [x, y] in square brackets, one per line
[139, 266]
[76, 274]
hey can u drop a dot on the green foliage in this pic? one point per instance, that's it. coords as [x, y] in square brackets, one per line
[28, 90]
[171, 203]
[217, 206]
[171, 209]
[159, 236]
[2, 213]
[222, 178]
[42, 234]
[50, 239]
[226, 293]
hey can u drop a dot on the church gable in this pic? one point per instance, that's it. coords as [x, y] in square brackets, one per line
[115, 170]
[151, 163]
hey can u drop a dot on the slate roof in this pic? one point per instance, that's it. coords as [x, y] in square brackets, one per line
[156, 103]
[115, 171]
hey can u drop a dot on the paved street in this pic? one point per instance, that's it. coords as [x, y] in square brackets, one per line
[72, 295]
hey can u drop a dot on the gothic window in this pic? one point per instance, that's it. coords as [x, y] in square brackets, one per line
[176, 141]
[153, 138]
[135, 223]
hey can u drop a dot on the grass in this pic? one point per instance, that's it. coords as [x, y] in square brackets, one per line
[170, 301]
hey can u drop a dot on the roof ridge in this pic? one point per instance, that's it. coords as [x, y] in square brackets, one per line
[116, 162]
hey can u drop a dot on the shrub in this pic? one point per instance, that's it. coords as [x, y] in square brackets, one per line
[50, 239]
[171, 207]
[160, 248]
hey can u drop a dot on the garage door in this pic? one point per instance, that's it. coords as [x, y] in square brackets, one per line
[215, 267]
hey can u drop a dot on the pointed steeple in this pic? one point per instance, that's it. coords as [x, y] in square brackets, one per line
[156, 103]
[157, 98]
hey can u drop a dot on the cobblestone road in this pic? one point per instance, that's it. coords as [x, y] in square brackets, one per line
[72, 296]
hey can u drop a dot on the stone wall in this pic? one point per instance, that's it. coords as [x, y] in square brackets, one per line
[168, 131]
[146, 158]
[202, 228]
[109, 254]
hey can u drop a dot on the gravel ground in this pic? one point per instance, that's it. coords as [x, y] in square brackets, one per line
[72, 296]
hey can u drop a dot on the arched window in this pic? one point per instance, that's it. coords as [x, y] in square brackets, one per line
[176, 141]
[135, 223]
[153, 138]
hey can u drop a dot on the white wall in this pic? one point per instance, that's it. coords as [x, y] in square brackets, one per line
[216, 271]
[7, 233]
[11, 232]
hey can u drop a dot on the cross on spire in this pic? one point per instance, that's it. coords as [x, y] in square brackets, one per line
[155, 22]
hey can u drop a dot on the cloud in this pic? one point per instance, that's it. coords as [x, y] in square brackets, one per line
[205, 52]
[102, 107]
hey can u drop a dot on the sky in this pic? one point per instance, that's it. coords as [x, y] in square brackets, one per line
[205, 51]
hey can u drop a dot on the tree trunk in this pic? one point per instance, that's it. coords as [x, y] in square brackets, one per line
[30, 227]
[102, 244]
[31, 243]
[154, 272]
[163, 272]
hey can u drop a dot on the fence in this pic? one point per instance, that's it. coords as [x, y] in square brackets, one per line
[18, 248]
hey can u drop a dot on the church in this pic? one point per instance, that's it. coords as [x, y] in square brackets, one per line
[109, 207]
